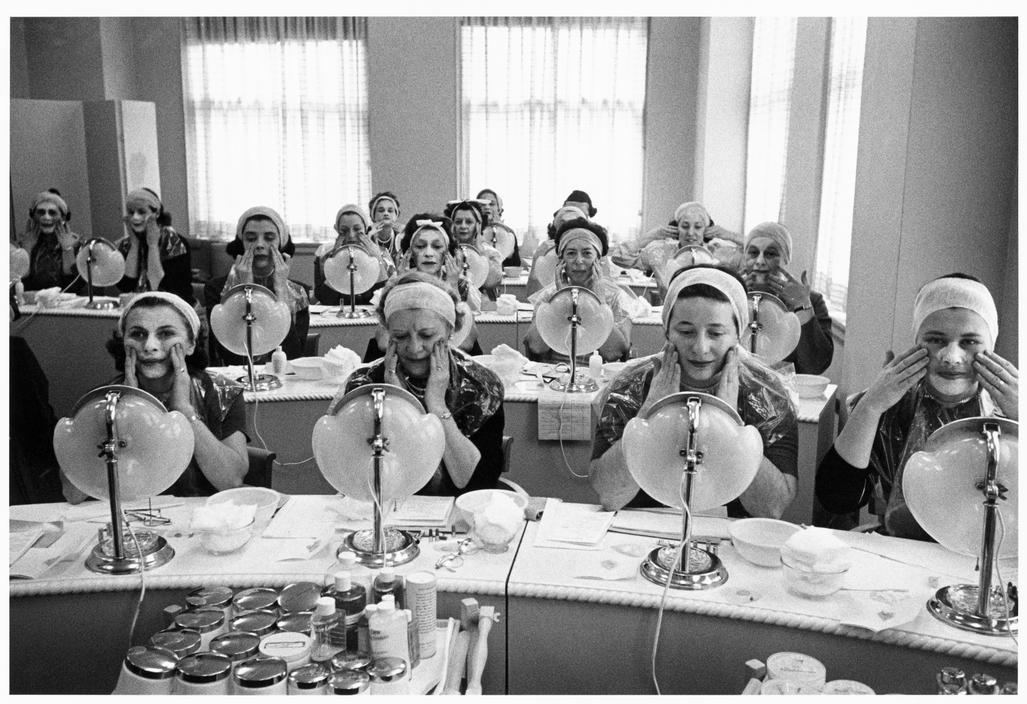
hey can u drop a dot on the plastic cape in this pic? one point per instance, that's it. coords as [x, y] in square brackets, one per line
[47, 259]
[170, 244]
[903, 430]
[475, 393]
[763, 400]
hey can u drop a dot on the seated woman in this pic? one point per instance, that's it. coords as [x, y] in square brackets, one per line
[156, 257]
[580, 245]
[420, 314]
[492, 215]
[352, 225]
[703, 315]
[692, 225]
[51, 246]
[262, 248]
[951, 372]
[768, 248]
[157, 347]
[428, 248]
[545, 258]
[385, 230]
[467, 219]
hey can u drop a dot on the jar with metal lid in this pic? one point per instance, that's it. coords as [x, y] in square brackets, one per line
[309, 679]
[983, 684]
[260, 675]
[351, 660]
[254, 599]
[202, 673]
[846, 687]
[796, 667]
[211, 598]
[261, 622]
[237, 645]
[147, 670]
[209, 623]
[298, 621]
[951, 680]
[389, 675]
[182, 641]
[292, 647]
[300, 596]
[349, 682]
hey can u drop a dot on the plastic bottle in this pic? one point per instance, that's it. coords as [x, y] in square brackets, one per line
[324, 620]
[387, 628]
[360, 574]
[278, 361]
[595, 366]
[387, 582]
[350, 600]
[363, 636]
[413, 639]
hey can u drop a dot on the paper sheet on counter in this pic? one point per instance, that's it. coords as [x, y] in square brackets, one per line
[574, 526]
[665, 523]
[71, 546]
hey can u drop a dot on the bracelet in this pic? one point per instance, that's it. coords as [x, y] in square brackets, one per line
[444, 415]
[802, 308]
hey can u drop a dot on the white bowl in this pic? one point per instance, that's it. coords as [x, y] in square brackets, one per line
[266, 501]
[309, 367]
[807, 582]
[467, 504]
[810, 385]
[759, 540]
[221, 541]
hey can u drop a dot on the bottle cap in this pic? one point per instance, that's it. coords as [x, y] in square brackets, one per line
[343, 582]
[347, 559]
[300, 596]
[260, 672]
[260, 621]
[325, 606]
[295, 621]
[387, 574]
[388, 603]
[350, 682]
[202, 668]
[151, 663]
[237, 645]
[311, 676]
[370, 609]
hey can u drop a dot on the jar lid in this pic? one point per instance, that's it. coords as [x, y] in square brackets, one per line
[202, 668]
[301, 596]
[846, 687]
[255, 598]
[287, 645]
[983, 683]
[298, 621]
[260, 672]
[796, 667]
[237, 645]
[345, 660]
[260, 622]
[203, 620]
[151, 662]
[181, 642]
[349, 682]
[387, 669]
[220, 597]
[309, 677]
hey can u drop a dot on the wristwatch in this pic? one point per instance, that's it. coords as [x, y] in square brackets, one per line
[445, 414]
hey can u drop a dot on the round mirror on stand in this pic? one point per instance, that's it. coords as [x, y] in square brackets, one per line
[501, 237]
[144, 448]
[962, 488]
[690, 451]
[574, 322]
[381, 446]
[251, 321]
[350, 269]
[100, 263]
[20, 263]
[773, 331]
[474, 265]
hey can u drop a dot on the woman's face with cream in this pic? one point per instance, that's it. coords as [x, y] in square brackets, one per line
[953, 337]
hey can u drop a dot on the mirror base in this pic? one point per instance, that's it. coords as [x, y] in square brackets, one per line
[956, 605]
[155, 550]
[400, 547]
[705, 569]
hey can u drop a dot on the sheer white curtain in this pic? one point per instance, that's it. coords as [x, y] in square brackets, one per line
[770, 99]
[550, 105]
[276, 115]
[845, 92]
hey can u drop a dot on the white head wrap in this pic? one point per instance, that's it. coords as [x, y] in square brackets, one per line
[722, 281]
[421, 295]
[691, 205]
[777, 232]
[271, 214]
[176, 302]
[950, 292]
[430, 225]
[579, 234]
[356, 210]
[47, 196]
[141, 194]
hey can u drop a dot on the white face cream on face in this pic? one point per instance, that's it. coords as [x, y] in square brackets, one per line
[952, 338]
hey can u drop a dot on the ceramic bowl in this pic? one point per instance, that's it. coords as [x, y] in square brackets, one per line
[810, 385]
[309, 367]
[759, 540]
[266, 501]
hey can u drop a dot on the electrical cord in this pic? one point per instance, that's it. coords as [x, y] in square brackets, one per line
[998, 572]
[685, 541]
[142, 580]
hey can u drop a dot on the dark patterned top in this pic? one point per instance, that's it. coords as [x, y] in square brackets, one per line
[46, 266]
[763, 403]
[175, 259]
[475, 398]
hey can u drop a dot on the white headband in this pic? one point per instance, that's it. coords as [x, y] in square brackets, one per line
[421, 295]
[576, 234]
[949, 292]
[176, 302]
[722, 281]
[430, 225]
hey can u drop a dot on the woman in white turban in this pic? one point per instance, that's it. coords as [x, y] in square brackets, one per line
[951, 372]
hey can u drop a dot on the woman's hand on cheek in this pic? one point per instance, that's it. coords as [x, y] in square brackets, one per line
[727, 387]
[152, 231]
[130, 367]
[1002, 381]
[181, 385]
[666, 381]
[438, 377]
[391, 359]
[896, 378]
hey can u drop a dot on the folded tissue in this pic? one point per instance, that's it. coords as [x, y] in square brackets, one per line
[342, 360]
[507, 363]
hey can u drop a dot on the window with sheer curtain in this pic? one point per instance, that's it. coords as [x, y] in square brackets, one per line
[770, 100]
[275, 115]
[841, 142]
[551, 105]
